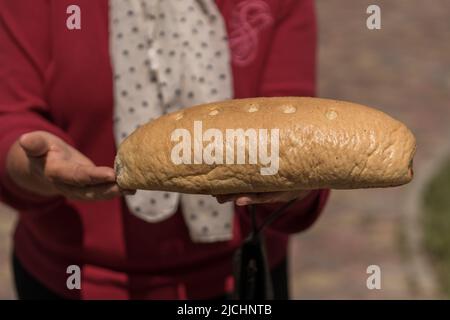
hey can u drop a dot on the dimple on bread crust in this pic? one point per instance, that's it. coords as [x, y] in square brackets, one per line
[322, 144]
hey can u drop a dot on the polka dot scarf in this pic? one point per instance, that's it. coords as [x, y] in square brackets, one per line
[166, 55]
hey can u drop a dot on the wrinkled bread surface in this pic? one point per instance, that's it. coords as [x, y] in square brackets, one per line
[322, 144]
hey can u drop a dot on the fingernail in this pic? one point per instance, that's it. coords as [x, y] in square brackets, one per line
[24, 136]
[242, 202]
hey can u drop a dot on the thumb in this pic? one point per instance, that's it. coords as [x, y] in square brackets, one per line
[34, 144]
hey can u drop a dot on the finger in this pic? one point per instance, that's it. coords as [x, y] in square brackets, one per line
[271, 197]
[243, 199]
[246, 200]
[225, 198]
[76, 174]
[101, 174]
[34, 144]
[303, 194]
[127, 192]
[98, 192]
[260, 198]
[221, 198]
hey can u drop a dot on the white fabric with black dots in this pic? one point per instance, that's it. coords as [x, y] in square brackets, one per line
[166, 55]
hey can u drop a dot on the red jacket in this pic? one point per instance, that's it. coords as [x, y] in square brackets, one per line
[60, 80]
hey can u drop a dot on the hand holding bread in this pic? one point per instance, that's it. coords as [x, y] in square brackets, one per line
[44, 165]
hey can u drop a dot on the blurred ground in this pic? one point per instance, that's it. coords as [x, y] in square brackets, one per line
[404, 69]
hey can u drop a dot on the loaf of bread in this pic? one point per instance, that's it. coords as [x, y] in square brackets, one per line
[267, 144]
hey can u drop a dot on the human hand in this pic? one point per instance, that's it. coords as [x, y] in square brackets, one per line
[44, 164]
[244, 199]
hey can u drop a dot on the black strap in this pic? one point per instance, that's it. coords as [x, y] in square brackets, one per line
[272, 217]
[251, 270]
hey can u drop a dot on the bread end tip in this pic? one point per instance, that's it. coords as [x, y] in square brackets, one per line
[118, 169]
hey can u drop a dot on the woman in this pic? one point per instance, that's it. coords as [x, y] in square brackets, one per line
[60, 88]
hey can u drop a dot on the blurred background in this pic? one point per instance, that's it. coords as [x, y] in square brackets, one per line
[403, 69]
